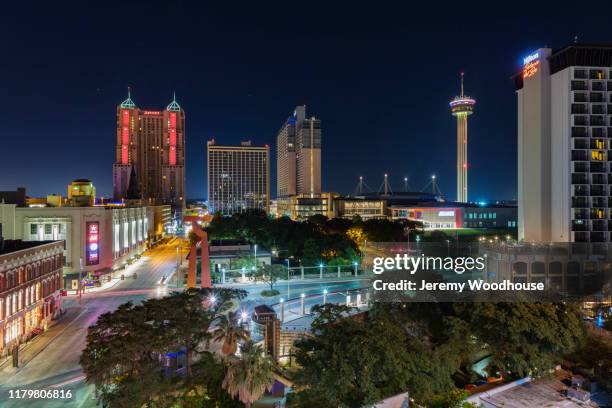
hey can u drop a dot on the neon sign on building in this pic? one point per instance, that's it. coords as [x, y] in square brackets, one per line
[172, 158]
[125, 136]
[531, 65]
[92, 248]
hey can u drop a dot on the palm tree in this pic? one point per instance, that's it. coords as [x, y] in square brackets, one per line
[250, 375]
[231, 331]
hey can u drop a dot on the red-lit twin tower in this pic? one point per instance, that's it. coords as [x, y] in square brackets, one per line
[151, 147]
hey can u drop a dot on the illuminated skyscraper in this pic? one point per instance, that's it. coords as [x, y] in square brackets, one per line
[462, 106]
[564, 101]
[153, 143]
[238, 178]
[299, 155]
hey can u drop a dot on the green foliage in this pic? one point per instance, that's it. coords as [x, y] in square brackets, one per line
[249, 376]
[270, 274]
[312, 253]
[453, 399]
[524, 338]
[126, 348]
[352, 363]
[270, 293]
[312, 241]
[230, 330]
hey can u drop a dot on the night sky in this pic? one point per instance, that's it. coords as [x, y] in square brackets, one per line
[378, 74]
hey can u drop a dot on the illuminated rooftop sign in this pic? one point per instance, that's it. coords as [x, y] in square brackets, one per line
[531, 58]
[531, 65]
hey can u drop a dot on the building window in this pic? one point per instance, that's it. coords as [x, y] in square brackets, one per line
[47, 228]
[33, 229]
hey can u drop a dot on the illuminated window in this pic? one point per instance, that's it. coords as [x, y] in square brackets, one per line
[597, 156]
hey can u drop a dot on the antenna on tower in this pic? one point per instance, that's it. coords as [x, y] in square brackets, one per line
[129, 96]
[385, 187]
[435, 190]
[462, 84]
[361, 187]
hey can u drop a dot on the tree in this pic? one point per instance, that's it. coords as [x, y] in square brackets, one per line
[230, 330]
[356, 234]
[270, 274]
[355, 361]
[126, 349]
[318, 219]
[524, 338]
[328, 313]
[122, 346]
[250, 375]
[311, 255]
[452, 399]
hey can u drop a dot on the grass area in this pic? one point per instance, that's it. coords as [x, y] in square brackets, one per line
[270, 293]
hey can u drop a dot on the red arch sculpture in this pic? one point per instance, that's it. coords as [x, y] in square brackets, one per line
[205, 281]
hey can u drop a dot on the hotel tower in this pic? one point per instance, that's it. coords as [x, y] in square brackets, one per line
[564, 145]
[151, 148]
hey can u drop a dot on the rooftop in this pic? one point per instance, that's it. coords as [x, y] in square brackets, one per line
[9, 246]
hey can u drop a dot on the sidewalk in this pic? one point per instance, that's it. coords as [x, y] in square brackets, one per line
[29, 350]
[128, 271]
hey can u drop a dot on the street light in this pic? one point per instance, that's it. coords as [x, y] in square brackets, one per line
[288, 279]
[255, 248]
[302, 307]
[321, 270]
[324, 296]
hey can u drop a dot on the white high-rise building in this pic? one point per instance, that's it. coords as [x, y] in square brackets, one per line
[564, 140]
[299, 155]
[238, 177]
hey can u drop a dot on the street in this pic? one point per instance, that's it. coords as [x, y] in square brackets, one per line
[56, 364]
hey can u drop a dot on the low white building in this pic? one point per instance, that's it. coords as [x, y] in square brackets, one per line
[100, 238]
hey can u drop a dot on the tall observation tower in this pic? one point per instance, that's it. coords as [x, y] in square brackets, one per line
[462, 106]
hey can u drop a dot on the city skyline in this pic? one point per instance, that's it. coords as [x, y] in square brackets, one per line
[228, 93]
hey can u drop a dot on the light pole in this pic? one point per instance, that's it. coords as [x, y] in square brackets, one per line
[177, 266]
[321, 270]
[355, 264]
[288, 279]
[80, 281]
[243, 271]
[255, 252]
[282, 307]
[302, 306]
[418, 240]
[223, 275]
[324, 296]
